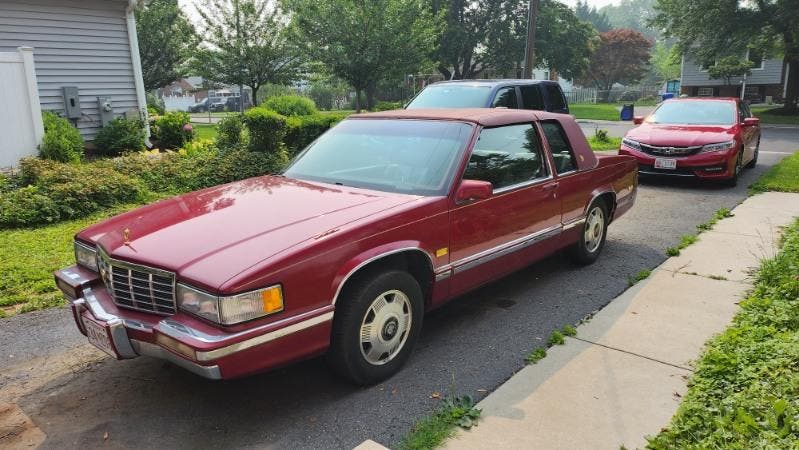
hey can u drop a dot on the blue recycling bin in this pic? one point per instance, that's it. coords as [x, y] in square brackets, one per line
[667, 96]
[627, 112]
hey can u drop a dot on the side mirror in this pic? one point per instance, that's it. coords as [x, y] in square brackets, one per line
[473, 190]
[638, 120]
[751, 121]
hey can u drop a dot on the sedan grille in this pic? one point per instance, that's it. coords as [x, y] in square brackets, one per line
[669, 151]
[138, 287]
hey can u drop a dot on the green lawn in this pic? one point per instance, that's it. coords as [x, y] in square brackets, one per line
[610, 143]
[598, 111]
[783, 177]
[205, 130]
[28, 258]
[766, 116]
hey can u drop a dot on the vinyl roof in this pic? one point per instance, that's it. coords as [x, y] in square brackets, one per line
[482, 116]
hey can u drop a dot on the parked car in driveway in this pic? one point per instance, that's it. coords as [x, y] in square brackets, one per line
[214, 104]
[382, 218]
[708, 138]
[540, 95]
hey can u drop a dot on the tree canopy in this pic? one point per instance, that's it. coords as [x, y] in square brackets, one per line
[709, 29]
[633, 14]
[622, 57]
[590, 14]
[246, 42]
[166, 40]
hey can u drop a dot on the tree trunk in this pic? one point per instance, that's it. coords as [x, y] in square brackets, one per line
[370, 96]
[444, 72]
[254, 96]
[792, 91]
[357, 100]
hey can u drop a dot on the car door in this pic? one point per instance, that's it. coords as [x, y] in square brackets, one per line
[505, 97]
[748, 134]
[504, 232]
[574, 186]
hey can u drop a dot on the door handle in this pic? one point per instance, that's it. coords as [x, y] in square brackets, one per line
[551, 186]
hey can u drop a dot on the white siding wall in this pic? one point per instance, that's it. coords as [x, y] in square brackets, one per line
[76, 43]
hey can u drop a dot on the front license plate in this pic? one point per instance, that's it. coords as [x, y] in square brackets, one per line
[665, 163]
[99, 337]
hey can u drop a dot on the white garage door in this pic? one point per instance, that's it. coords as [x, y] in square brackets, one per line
[20, 112]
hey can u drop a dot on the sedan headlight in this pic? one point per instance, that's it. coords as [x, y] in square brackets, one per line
[635, 145]
[721, 146]
[232, 309]
[85, 256]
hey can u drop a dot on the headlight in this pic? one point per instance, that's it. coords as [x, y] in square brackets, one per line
[86, 256]
[718, 147]
[231, 309]
[635, 145]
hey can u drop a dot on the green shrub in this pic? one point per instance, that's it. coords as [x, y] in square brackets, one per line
[120, 135]
[267, 129]
[62, 141]
[155, 104]
[387, 106]
[230, 132]
[172, 131]
[291, 105]
[27, 206]
[301, 131]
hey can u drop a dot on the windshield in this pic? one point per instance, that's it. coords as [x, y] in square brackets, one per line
[694, 113]
[451, 96]
[415, 157]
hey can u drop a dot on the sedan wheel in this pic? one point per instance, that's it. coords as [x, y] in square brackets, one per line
[733, 180]
[587, 249]
[377, 322]
[594, 230]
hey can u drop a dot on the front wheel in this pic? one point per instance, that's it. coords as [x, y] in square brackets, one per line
[376, 326]
[753, 162]
[595, 229]
[733, 180]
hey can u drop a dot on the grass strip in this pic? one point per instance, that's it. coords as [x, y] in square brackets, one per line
[784, 177]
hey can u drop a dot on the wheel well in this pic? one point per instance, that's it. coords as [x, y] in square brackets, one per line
[415, 262]
[609, 198]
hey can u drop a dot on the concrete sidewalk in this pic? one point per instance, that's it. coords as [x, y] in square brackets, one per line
[621, 379]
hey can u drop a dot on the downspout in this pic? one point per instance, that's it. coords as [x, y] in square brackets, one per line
[133, 42]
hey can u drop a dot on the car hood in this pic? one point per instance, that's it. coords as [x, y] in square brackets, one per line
[237, 225]
[680, 135]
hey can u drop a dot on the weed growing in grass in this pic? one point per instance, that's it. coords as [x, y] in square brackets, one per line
[641, 275]
[430, 432]
[569, 330]
[536, 355]
[556, 338]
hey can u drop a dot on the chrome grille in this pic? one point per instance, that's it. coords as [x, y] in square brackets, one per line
[138, 287]
[669, 151]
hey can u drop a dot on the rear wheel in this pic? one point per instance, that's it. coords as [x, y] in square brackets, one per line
[376, 326]
[595, 229]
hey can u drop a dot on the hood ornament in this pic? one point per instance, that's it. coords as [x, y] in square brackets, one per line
[126, 236]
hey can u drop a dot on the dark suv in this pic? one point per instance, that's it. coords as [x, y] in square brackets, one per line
[542, 95]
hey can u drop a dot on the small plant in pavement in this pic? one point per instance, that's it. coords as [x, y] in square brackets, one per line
[432, 431]
[685, 241]
[556, 338]
[720, 214]
[536, 355]
[569, 330]
[641, 275]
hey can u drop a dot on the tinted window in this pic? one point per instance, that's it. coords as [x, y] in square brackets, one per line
[506, 156]
[531, 98]
[556, 101]
[506, 97]
[561, 150]
[452, 96]
[408, 156]
[694, 112]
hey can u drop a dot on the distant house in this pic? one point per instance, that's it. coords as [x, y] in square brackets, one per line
[82, 62]
[766, 81]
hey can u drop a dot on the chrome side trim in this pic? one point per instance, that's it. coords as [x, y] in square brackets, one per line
[147, 349]
[264, 338]
[523, 184]
[573, 223]
[504, 249]
[441, 276]
[375, 258]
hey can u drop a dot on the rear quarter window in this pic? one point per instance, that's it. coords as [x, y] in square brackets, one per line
[532, 98]
[556, 100]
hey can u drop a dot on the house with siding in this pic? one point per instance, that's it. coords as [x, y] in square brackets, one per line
[79, 58]
[765, 82]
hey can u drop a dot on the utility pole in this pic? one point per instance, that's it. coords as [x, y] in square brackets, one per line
[241, 57]
[529, 49]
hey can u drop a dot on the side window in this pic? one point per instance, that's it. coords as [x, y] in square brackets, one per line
[506, 156]
[556, 101]
[561, 150]
[531, 98]
[743, 111]
[506, 97]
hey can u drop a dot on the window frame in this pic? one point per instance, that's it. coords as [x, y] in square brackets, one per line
[699, 92]
[552, 154]
[512, 88]
[545, 159]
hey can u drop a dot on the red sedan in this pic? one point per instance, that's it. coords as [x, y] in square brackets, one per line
[382, 218]
[708, 138]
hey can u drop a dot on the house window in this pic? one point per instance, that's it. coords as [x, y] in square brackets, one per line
[756, 58]
[705, 92]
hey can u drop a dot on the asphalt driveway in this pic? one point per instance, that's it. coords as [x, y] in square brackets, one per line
[80, 399]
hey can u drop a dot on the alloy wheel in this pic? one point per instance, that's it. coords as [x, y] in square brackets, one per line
[594, 229]
[385, 327]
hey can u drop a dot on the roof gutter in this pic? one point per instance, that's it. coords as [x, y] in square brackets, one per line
[133, 42]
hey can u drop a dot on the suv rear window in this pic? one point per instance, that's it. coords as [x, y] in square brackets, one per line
[532, 98]
[556, 101]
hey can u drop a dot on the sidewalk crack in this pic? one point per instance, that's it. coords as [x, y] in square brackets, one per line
[634, 354]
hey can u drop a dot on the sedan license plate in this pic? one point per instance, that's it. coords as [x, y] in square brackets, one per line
[665, 163]
[99, 337]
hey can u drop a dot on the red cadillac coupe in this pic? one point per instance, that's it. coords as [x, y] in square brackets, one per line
[382, 218]
[708, 138]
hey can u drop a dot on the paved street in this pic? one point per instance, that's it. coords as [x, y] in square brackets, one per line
[468, 347]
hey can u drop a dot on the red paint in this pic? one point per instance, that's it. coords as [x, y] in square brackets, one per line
[310, 237]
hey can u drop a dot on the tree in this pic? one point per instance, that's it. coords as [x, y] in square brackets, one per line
[465, 27]
[709, 29]
[622, 57]
[665, 62]
[728, 67]
[591, 15]
[633, 14]
[363, 42]
[166, 40]
[246, 43]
